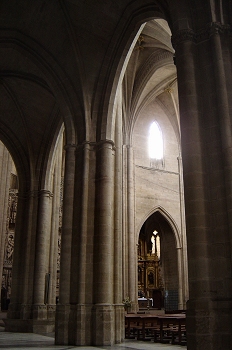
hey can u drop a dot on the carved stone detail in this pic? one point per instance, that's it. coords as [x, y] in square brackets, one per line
[201, 34]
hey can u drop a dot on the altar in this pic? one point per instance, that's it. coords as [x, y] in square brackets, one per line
[145, 303]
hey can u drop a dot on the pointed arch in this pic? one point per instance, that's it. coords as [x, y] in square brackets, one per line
[54, 76]
[169, 220]
[112, 72]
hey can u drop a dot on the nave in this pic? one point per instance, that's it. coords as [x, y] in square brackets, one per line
[118, 119]
[10, 340]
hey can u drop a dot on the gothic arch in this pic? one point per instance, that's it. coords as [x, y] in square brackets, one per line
[169, 220]
[53, 76]
[111, 73]
[180, 253]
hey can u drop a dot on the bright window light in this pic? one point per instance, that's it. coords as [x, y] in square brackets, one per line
[155, 142]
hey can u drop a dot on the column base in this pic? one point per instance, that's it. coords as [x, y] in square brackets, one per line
[119, 323]
[31, 319]
[87, 324]
[73, 325]
[29, 326]
[80, 322]
[209, 324]
[62, 324]
[103, 325]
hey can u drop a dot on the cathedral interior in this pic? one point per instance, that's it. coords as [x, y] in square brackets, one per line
[116, 152]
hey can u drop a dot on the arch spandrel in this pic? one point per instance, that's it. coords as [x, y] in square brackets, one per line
[47, 69]
[46, 176]
[19, 158]
[45, 74]
[12, 140]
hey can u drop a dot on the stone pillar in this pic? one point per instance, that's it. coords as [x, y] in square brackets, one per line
[204, 91]
[221, 239]
[63, 308]
[55, 231]
[180, 278]
[82, 248]
[195, 194]
[5, 169]
[103, 314]
[224, 110]
[125, 223]
[132, 239]
[184, 257]
[118, 241]
[19, 316]
[41, 276]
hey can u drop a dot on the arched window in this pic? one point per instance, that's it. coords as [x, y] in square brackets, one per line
[155, 144]
[155, 240]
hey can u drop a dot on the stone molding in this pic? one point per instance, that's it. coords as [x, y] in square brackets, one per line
[85, 145]
[45, 193]
[35, 194]
[39, 307]
[202, 34]
[102, 143]
[69, 146]
[150, 64]
[157, 170]
[90, 145]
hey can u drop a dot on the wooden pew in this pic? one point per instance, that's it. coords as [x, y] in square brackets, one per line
[133, 322]
[161, 328]
[171, 328]
[150, 324]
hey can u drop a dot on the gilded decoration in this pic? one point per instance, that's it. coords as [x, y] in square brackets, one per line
[150, 282]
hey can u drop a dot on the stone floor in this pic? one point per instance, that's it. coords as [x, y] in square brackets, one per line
[15, 341]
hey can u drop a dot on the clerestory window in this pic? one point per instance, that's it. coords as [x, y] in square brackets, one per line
[155, 145]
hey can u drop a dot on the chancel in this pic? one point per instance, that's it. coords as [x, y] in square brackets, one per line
[116, 168]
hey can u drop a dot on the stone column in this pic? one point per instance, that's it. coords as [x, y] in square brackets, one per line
[20, 309]
[221, 236]
[63, 308]
[104, 326]
[184, 257]
[204, 93]
[125, 223]
[5, 169]
[132, 239]
[224, 111]
[180, 278]
[118, 242]
[195, 192]
[55, 231]
[82, 248]
[41, 276]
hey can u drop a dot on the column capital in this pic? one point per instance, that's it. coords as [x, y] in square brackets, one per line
[201, 34]
[35, 194]
[45, 193]
[70, 146]
[105, 143]
[88, 145]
